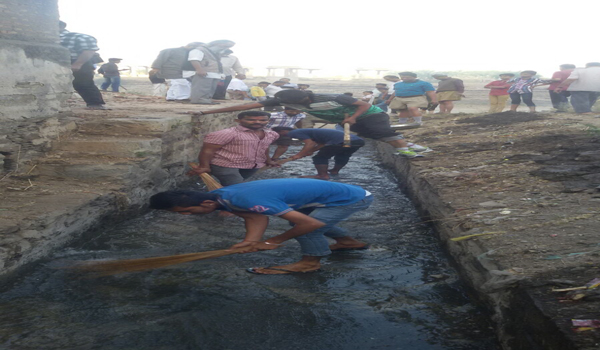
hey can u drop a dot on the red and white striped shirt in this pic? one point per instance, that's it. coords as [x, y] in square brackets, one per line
[242, 148]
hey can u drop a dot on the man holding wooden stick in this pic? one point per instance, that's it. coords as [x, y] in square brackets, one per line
[234, 154]
[329, 143]
[365, 119]
[313, 207]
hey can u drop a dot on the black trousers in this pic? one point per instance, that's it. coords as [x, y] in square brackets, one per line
[221, 90]
[341, 155]
[83, 83]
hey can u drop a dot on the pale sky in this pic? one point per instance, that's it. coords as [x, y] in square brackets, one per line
[340, 36]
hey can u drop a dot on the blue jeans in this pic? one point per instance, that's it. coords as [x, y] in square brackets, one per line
[315, 243]
[114, 81]
[583, 101]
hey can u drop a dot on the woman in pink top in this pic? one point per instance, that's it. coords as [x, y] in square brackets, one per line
[499, 92]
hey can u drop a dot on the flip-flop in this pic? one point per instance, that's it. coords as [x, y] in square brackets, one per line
[350, 249]
[287, 272]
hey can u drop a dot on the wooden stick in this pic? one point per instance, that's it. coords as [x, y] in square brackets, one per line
[347, 140]
[113, 267]
[208, 180]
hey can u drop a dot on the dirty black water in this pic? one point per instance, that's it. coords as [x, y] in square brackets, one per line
[400, 294]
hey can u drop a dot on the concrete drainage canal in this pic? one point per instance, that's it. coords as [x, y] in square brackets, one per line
[402, 293]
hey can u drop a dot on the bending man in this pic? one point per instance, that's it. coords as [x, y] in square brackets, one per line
[318, 206]
[329, 143]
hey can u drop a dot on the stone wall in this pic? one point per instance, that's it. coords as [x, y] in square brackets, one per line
[35, 80]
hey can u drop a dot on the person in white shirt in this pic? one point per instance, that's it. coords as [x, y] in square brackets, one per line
[206, 60]
[231, 66]
[274, 88]
[237, 89]
[584, 86]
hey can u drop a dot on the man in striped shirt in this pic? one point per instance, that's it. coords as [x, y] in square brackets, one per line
[289, 118]
[234, 154]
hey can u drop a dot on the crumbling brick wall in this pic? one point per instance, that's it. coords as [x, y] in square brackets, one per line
[35, 79]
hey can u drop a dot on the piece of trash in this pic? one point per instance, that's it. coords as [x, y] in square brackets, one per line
[594, 323]
[553, 257]
[456, 239]
[505, 212]
[554, 235]
[590, 285]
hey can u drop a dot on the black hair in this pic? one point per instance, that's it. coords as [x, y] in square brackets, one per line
[369, 91]
[282, 128]
[348, 93]
[384, 88]
[253, 114]
[567, 66]
[408, 74]
[532, 72]
[180, 198]
[509, 74]
[304, 85]
[264, 82]
[290, 109]
[381, 84]
[292, 96]
[593, 64]
[279, 81]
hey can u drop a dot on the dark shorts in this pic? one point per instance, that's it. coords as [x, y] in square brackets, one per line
[376, 126]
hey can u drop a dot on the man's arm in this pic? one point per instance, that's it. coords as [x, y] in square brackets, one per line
[432, 95]
[564, 85]
[362, 108]
[309, 148]
[199, 70]
[256, 224]
[84, 56]
[207, 153]
[303, 224]
[298, 125]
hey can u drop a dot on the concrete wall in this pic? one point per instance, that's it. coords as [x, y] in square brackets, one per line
[103, 172]
[35, 79]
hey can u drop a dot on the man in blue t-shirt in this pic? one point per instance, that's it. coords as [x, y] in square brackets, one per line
[313, 207]
[329, 143]
[409, 97]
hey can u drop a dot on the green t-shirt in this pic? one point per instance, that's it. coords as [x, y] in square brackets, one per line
[333, 108]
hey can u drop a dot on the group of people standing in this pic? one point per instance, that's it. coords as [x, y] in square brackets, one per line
[582, 85]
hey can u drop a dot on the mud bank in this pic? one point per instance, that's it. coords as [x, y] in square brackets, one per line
[520, 183]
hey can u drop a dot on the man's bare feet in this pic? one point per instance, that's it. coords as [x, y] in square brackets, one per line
[299, 267]
[347, 243]
[334, 172]
[318, 177]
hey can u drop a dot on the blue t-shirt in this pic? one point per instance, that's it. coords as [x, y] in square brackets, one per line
[323, 136]
[417, 87]
[280, 196]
